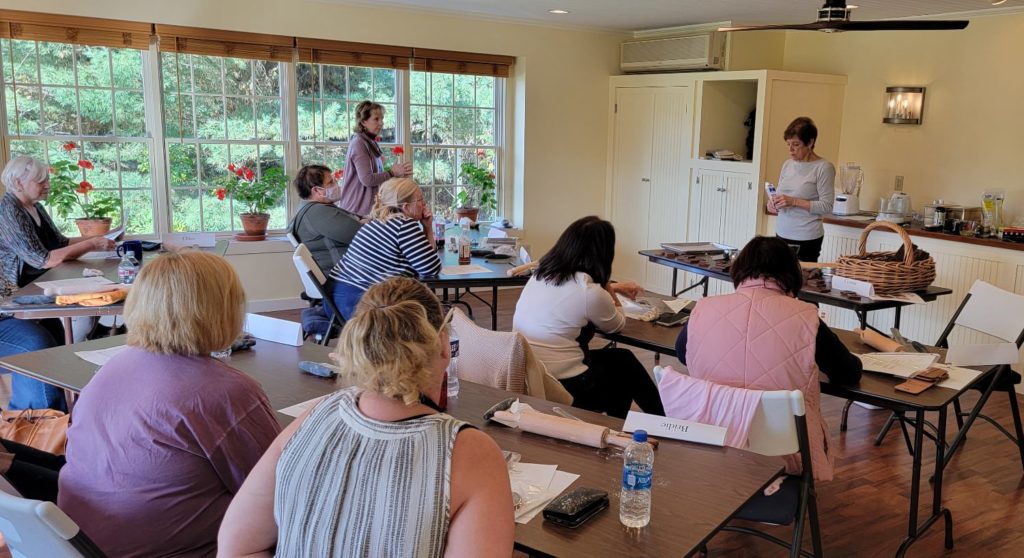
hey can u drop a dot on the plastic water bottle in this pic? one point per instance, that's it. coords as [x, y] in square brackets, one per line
[465, 246]
[453, 366]
[638, 467]
[127, 269]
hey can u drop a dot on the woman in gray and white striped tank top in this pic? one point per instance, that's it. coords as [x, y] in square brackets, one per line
[378, 469]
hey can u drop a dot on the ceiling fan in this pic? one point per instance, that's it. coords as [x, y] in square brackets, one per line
[834, 17]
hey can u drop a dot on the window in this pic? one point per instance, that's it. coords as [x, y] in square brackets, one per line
[453, 119]
[219, 111]
[93, 96]
[327, 98]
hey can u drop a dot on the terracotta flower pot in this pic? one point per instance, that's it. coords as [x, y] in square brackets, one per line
[255, 225]
[92, 227]
[471, 212]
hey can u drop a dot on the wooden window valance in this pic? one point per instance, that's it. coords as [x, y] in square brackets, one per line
[454, 62]
[31, 26]
[235, 44]
[323, 51]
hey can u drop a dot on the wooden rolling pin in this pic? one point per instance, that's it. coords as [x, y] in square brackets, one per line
[816, 265]
[578, 432]
[521, 269]
[878, 341]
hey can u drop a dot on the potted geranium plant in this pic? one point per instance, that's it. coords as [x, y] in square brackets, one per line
[258, 194]
[479, 191]
[71, 193]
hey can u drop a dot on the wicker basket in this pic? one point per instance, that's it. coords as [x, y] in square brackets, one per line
[888, 277]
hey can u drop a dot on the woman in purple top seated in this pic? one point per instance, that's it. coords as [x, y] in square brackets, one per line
[364, 167]
[163, 435]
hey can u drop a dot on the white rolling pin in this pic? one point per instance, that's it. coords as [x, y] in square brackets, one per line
[521, 269]
[578, 432]
[878, 341]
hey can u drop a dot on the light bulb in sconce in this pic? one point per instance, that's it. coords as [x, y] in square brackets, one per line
[903, 105]
[998, 2]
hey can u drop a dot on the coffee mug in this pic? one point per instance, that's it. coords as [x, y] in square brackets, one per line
[133, 246]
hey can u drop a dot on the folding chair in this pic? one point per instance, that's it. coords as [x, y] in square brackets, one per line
[974, 313]
[314, 320]
[779, 428]
[36, 528]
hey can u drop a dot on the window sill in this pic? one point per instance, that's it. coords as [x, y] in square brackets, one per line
[272, 245]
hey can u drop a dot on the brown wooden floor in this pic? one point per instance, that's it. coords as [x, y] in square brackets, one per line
[863, 512]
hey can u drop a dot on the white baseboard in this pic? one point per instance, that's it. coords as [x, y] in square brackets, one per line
[276, 304]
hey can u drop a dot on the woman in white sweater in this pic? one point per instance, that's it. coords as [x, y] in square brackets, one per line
[569, 297]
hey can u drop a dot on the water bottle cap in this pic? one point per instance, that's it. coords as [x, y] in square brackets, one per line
[640, 436]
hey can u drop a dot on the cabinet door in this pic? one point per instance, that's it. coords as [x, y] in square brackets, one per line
[666, 219]
[631, 196]
[739, 215]
[709, 211]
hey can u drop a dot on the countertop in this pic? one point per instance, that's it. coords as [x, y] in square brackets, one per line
[914, 230]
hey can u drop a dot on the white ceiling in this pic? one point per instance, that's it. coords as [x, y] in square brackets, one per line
[630, 15]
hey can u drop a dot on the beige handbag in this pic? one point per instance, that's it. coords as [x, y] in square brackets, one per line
[42, 429]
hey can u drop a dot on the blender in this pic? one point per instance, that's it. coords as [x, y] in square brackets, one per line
[851, 177]
[992, 212]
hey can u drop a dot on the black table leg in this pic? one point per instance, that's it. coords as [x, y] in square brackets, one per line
[494, 308]
[896, 318]
[863, 318]
[675, 277]
[940, 450]
[915, 484]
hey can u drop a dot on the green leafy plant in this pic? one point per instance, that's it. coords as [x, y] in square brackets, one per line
[480, 189]
[68, 193]
[259, 194]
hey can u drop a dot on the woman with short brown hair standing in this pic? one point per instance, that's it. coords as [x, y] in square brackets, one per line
[364, 165]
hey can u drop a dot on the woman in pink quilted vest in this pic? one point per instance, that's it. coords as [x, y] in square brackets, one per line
[762, 337]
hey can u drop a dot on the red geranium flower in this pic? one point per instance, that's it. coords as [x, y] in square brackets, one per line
[53, 170]
[481, 153]
[221, 192]
[490, 175]
[377, 139]
[69, 146]
[85, 164]
[249, 174]
[339, 173]
[84, 187]
[231, 167]
[397, 150]
[239, 172]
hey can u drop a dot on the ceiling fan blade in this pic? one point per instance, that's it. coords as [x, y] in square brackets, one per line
[900, 25]
[794, 26]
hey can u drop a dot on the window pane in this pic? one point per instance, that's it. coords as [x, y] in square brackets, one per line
[307, 125]
[59, 110]
[93, 66]
[312, 155]
[97, 112]
[422, 166]
[308, 80]
[389, 132]
[32, 148]
[484, 91]
[210, 117]
[464, 121]
[334, 156]
[131, 114]
[138, 206]
[134, 165]
[441, 89]
[384, 85]
[206, 74]
[485, 127]
[213, 162]
[178, 121]
[56, 63]
[103, 156]
[237, 76]
[444, 202]
[360, 84]
[418, 88]
[441, 125]
[333, 81]
[28, 114]
[170, 63]
[335, 123]
[216, 213]
[266, 78]
[185, 212]
[127, 68]
[418, 124]
[23, 55]
[183, 164]
[444, 166]
[465, 90]
[268, 119]
[241, 124]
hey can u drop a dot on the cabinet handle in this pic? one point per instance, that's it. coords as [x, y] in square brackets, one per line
[645, 180]
[698, 179]
[750, 185]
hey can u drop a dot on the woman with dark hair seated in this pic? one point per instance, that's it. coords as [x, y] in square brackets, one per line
[569, 296]
[762, 337]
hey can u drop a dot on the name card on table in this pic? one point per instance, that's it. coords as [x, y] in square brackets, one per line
[686, 430]
[202, 240]
[272, 329]
[863, 288]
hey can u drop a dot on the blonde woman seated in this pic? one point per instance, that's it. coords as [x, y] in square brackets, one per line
[163, 436]
[379, 469]
[397, 241]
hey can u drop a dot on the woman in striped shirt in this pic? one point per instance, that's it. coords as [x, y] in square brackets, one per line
[398, 241]
[378, 469]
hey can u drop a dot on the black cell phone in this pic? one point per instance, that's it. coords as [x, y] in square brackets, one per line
[574, 508]
[669, 319]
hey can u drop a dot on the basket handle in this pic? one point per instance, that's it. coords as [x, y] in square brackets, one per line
[908, 246]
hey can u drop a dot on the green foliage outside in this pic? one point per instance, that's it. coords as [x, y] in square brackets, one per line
[70, 197]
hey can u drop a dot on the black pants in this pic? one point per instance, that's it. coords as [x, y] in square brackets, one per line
[613, 381]
[32, 472]
[809, 249]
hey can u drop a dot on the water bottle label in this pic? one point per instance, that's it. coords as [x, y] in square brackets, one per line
[636, 476]
[454, 344]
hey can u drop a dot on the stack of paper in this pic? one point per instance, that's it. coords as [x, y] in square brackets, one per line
[903, 365]
[537, 485]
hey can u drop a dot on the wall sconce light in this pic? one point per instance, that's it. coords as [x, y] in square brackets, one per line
[904, 105]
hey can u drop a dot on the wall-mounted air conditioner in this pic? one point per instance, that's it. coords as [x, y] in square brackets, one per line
[699, 51]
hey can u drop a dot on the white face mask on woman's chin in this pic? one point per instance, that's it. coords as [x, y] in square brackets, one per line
[333, 193]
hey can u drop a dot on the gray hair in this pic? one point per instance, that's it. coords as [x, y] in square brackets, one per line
[22, 170]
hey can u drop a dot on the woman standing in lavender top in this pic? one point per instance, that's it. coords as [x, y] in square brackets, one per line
[364, 166]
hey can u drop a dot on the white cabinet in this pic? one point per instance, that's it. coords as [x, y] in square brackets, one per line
[662, 187]
[649, 177]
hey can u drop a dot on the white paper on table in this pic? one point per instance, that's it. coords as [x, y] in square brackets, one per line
[534, 475]
[686, 430]
[116, 233]
[639, 309]
[99, 255]
[559, 483]
[993, 311]
[909, 298]
[76, 285]
[524, 256]
[464, 269]
[903, 365]
[285, 332]
[958, 377]
[863, 288]
[495, 232]
[100, 357]
[299, 408]
[984, 354]
[202, 240]
[677, 304]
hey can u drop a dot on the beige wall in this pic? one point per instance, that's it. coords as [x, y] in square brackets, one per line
[971, 136]
[560, 127]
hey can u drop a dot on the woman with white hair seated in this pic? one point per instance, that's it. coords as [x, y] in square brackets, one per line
[397, 241]
[379, 469]
[164, 434]
[30, 244]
